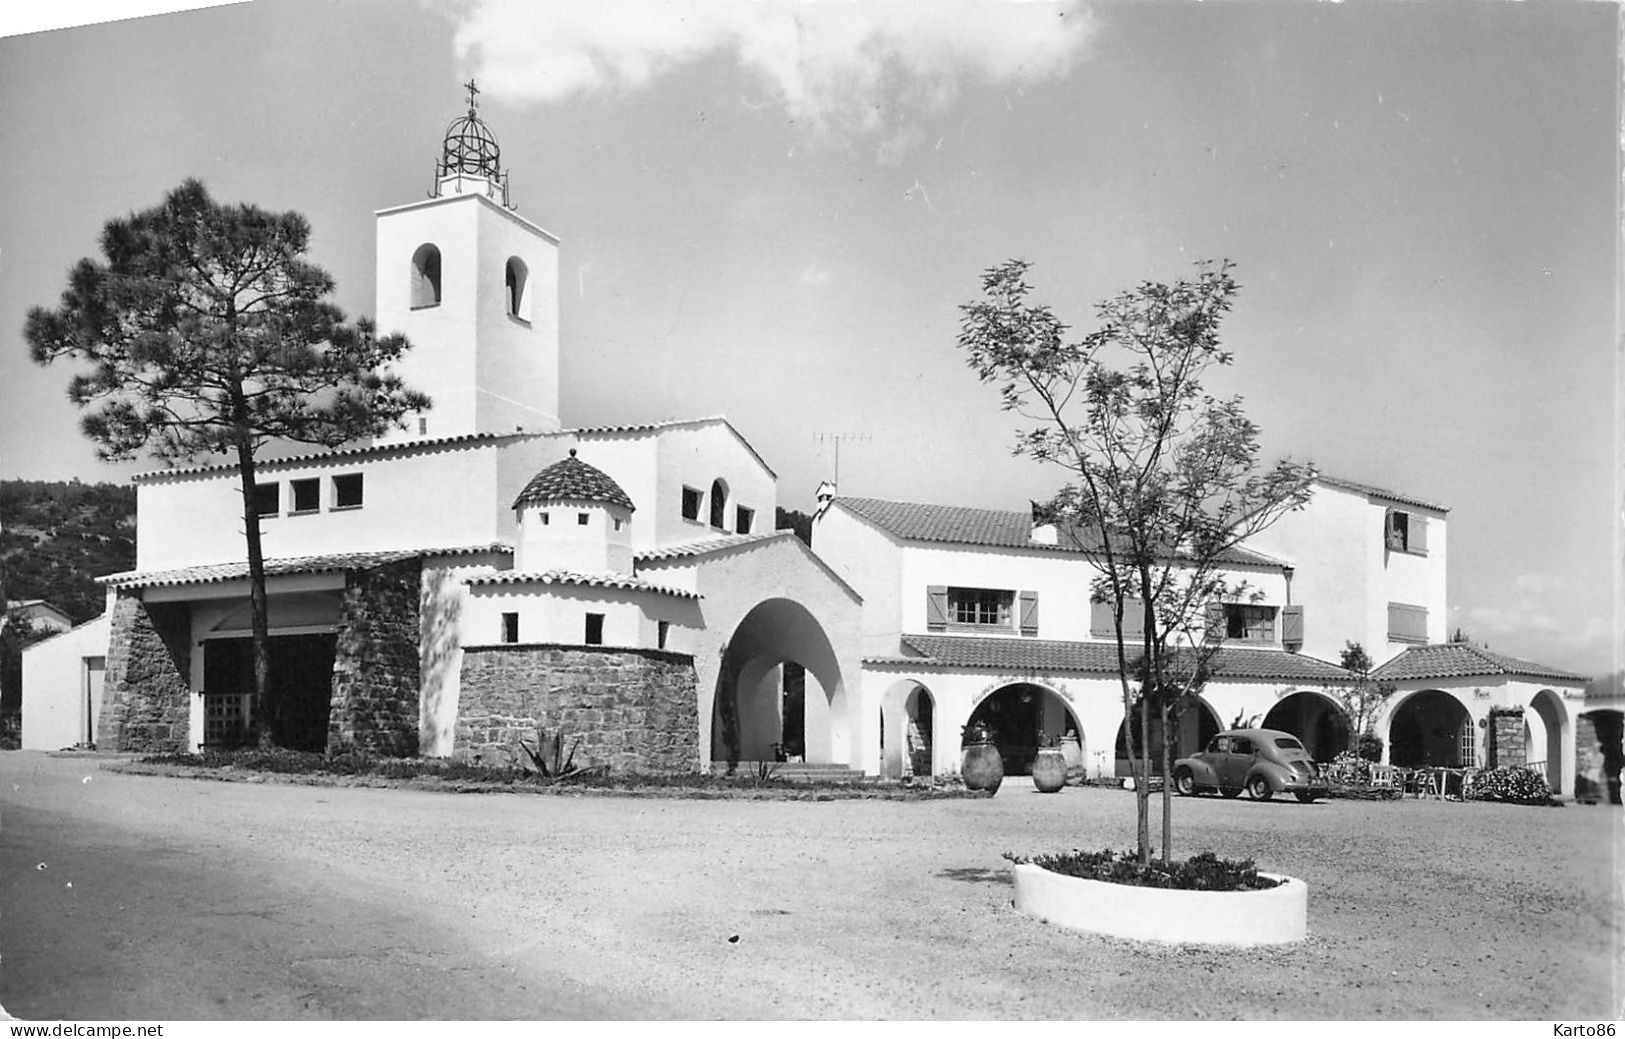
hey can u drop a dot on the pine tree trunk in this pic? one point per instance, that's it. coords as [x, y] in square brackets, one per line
[259, 610]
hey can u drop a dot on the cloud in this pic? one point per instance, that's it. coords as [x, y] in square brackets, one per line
[838, 69]
[813, 274]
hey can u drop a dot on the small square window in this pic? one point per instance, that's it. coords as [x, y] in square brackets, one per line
[581, 519]
[691, 503]
[307, 495]
[617, 524]
[744, 520]
[510, 627]
[544, 519]
[664, 630]
[267, 498]
[595, 629]
[347, 491]
[423, 426]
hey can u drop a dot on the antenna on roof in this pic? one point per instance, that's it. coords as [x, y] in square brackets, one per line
[837, 439]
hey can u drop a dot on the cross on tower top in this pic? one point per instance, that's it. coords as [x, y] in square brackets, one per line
[473, 92]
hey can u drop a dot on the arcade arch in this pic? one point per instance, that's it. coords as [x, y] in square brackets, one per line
[747, 719]
[1316, 719]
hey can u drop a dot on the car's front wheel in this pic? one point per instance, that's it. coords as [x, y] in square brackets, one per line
[1184, 782]
[1258, 788]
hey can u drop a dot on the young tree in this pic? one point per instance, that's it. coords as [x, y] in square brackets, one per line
[1164, 478]
[209, 334]
[1362, 700]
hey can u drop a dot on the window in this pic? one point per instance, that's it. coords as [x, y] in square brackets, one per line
[1407, 623]
[743, 520]
[307, 495]
[719, 504]
[1241, 745]
[543, 516]
[423, 427]
[347, 491]
[663, 630]
[1102, 626]
[1467, 744]
[691, 503]
[582, 519]
[510, 627]
[617, 524]
[267, 498]
[513, 283]
[979, 607]
[1244, 623]
[1405, 532]
[425, 277]
[595, 629]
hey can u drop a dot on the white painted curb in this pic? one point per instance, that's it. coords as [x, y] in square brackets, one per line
[1241, 918]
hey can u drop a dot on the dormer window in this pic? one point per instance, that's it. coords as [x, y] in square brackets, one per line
[426, 277]
[1405, 532]
[719, 505]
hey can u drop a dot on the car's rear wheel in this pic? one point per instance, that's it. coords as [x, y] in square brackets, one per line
[1184, 782]
[1258, 788]
[1306, 797]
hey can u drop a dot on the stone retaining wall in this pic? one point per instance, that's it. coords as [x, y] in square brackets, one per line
[635, 710]
[1506, 738]
[376, 674]
[147, 693]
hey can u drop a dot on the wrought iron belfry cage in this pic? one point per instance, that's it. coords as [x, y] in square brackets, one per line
[470, 149]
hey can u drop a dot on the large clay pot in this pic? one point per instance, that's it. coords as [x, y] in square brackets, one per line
[983, 765]
[1049, 770]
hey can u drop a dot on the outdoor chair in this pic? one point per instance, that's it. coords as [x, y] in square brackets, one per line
[1384, 777]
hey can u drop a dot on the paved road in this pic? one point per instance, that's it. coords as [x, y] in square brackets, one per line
[103, 921]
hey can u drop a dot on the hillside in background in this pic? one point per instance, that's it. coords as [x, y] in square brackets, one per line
[56, 538]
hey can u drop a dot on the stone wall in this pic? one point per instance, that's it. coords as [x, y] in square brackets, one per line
[635, 710]
[147, 694]
[1506, 738]
[376, 676]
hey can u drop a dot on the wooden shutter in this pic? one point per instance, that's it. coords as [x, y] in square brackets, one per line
[1419, 534]
[1292, 625]
[1100, 620]
[1029, 613]
[1215, 625]
[1133, 619]
[936, 608]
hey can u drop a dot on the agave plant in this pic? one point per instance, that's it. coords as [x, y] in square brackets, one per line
[549, 758]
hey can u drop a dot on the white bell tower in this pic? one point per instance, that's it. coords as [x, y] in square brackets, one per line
[474, 287]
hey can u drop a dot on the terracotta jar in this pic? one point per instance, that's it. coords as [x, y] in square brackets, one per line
[1049, 770]
[983, 765]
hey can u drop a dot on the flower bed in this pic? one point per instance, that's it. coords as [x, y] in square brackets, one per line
[1204, 872]
[1512, 785]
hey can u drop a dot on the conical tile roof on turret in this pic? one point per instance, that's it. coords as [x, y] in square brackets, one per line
[573, 480]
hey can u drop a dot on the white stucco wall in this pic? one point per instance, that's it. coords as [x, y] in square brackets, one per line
[870, 560]
[418, 496]
[61, 690]
[600, 545]
[558, 613]
[486, 371]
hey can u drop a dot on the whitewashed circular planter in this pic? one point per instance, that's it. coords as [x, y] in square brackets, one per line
[1275, 916]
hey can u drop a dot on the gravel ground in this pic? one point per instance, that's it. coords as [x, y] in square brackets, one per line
[856, 909]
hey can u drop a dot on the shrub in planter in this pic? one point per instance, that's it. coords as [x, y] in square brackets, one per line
[1511, 785]
[1204, 872]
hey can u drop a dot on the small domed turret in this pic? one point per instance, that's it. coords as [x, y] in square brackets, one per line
[575, 517]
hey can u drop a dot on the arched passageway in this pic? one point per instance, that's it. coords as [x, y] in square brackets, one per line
[908, 738]
[1545, 728]
[755, 683]
[1431, 729]
[1194, 724]
[1020, 717]
[1317, 721]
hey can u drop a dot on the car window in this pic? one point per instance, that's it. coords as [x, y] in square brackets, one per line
[1288, 743]
[1220, 745]
[1241, 745]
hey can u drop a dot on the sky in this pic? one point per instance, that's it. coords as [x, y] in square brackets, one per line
[774, 211]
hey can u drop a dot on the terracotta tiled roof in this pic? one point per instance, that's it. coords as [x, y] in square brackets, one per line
[1377, 492]
[343, 453]
[1048, 655]
[573, 480]
[1463, 660]
[706, 546]
[570, 577]
[215, 572]
[992, 528]
[651, 427]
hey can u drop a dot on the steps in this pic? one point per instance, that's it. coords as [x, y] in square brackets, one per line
[795, 771]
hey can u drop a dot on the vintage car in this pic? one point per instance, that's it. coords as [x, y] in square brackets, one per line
[1263, 762]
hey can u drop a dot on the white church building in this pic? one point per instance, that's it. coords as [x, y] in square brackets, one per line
[447, 589]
